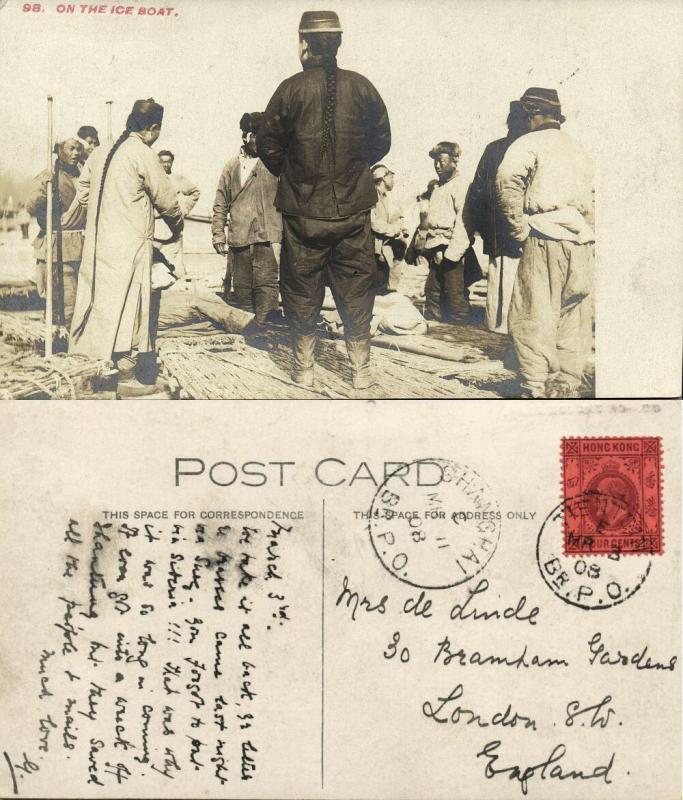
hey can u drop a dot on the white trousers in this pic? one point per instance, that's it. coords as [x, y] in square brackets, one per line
[500, 282]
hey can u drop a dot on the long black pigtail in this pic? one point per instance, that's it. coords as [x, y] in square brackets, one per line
[323, 48]
[330, 67]
[122, 138]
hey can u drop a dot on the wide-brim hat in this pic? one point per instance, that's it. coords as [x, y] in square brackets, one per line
[320, 22]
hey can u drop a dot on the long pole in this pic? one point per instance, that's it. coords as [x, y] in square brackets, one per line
[48, 236]
[110, 137]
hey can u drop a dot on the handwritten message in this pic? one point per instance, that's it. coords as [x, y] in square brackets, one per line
[161, 652]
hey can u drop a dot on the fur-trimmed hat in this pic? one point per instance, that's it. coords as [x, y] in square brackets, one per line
[542, 100]
[249, 123]
[451, 149]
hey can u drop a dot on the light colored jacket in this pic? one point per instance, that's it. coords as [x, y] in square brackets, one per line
[545, 171]
[445, 224]
[386, 219]
[187, 194]
[186, 191]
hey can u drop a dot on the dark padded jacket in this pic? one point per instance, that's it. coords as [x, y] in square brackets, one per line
[339, 183]
[482, 214]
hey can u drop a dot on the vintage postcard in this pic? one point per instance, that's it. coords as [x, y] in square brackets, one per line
[484, 607]
[394, 199]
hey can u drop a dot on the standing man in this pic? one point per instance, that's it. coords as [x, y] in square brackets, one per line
[88, 137]
[546, 193]
[446, 241]
[67, 227]
[324, 127]
[486, 220]
[188, 195]
[125, 184]
[245, 202]
[389, 230]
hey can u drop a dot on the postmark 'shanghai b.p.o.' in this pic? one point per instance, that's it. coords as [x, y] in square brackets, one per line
[437, 529]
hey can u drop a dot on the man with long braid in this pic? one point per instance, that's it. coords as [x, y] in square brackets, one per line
[323, 128]
[122, 188]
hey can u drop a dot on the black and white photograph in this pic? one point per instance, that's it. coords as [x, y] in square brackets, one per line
[397, 200]
[458, 223]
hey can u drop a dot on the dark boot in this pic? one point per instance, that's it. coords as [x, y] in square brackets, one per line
[303, 350]
[359, 356]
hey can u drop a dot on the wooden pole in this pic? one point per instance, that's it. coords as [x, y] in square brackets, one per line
[110, 137]
[48, 235]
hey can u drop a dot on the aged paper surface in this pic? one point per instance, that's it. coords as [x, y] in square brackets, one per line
[189, 611]
[358, 600]
[445, 73]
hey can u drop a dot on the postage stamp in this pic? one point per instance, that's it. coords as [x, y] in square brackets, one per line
[437, 529]
[620, 479]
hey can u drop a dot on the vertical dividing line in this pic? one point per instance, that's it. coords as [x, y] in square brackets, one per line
[322, 658]
[49, 332]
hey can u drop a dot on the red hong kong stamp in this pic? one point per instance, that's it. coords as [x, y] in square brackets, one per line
[615, 485]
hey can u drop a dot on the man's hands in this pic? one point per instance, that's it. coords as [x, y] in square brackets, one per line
[220, 248]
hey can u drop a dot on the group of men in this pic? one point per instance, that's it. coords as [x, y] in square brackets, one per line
[308, 203]
[106, 238]
[532, 203]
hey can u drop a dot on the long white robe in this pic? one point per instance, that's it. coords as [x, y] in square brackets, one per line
[114, 286]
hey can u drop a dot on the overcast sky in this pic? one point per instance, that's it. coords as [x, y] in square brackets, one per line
[447, 70]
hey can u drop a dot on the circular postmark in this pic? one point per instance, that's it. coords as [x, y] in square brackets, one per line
[591, 581]
[434, 524]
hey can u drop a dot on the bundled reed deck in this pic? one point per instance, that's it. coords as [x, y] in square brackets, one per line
[62, 377]
[27, 331]
[225, 366]
[20, 290]
[19, 296]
